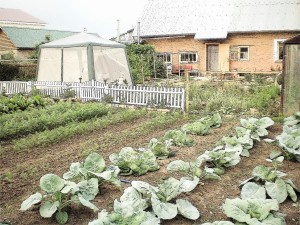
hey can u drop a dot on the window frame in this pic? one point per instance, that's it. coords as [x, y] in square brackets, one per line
[164, 56]
[276, 51]
[235, 53]
[189, 61]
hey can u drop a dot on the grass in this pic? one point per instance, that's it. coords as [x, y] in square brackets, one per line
[233, 98]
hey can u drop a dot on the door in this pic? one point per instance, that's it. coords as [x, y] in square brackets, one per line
[212, 57]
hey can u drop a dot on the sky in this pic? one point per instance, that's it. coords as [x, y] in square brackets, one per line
[75, 15]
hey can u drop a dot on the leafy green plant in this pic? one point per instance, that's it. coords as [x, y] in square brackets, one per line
[221, 157]
[93, 167]
[58, 194]
[293, 120]
[257, 127]
[272, 184]
[141, 196]
[137, 162]
[253, 211]
[198, 128]
[179, 138]
[161, 149]
[289, 141]
[34, 121]
[195, 170]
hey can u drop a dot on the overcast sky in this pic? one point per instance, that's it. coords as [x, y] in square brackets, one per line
[73, 15]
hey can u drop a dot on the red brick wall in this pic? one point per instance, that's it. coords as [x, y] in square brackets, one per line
[261, 49]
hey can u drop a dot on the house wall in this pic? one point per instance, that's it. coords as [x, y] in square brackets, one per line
[6, 46]
[261, 50]
[5, 43]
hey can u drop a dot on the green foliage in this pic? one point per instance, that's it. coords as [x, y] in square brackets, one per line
[234, 98]
[178, 138]
[253, 211]
[19, 102]
[272, 184]
[161, 149]
[93, 167]
[141, 60]
[50, 137]
[203, 125]
[58, 194]
[33, 121]
[137, 162]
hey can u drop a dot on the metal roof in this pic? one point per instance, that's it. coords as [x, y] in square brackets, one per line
[214, 19]
[82, 39]
[17, 15]
[29, 37]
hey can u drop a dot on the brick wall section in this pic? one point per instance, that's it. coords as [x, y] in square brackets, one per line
[261, 52]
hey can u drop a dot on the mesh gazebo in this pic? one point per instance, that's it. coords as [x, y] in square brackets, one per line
[83, 57]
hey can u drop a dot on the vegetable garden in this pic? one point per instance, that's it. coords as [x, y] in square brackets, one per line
[94, 164]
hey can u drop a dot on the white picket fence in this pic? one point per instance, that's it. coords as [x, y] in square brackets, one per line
[161, 97]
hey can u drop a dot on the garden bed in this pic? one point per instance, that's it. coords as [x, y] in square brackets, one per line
[21, 170]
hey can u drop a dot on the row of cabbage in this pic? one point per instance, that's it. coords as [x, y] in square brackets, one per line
[144, 204]
[254, 208]
[81, 183]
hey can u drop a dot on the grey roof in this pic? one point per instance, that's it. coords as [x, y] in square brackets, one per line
[17, 15]
[82, 39]
[29, 37]
[214, 19]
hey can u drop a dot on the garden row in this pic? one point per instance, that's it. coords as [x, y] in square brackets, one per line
[141, 195]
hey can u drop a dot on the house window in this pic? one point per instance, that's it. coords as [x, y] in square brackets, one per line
[239, 53]
[165, 57]
[278, 50]
[188, 57]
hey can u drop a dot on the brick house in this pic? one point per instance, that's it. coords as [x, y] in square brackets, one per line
[214, 35]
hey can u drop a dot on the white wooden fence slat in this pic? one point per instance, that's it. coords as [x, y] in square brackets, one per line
[94, 90]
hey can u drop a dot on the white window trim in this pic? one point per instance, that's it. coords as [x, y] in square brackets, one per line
[275, 51]
[196, 53]
[248, 58]
[166, 53]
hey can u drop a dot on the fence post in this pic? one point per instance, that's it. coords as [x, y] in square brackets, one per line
[93, 89]
[29, 86]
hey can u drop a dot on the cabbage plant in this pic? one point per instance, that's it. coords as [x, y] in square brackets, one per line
[136, 201]
[197, 127]
[254, 211]
[178, 138]
[161, 150]
[257, 127]
[221, 157]
[58, 193]
[293, 120]
[137, 162]
[194, 170]
[289, 141]
[93, 167]
[213, 121]
[268, 182]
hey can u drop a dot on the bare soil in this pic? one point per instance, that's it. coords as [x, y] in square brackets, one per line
[20, 173]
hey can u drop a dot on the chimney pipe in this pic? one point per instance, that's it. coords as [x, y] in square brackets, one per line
[138, 31]
[118, 30]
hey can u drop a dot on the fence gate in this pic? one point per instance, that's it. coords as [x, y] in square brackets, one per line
[291, 77]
